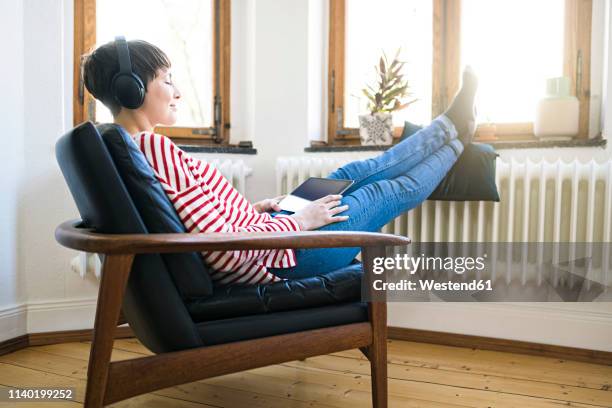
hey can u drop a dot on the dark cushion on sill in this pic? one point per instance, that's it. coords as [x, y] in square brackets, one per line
[188, 270]
[271, 324]
[472, 178]
[339, 286]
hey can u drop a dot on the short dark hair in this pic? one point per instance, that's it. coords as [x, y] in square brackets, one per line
[100, 65]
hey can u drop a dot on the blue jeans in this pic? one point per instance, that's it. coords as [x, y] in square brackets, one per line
[386, 186]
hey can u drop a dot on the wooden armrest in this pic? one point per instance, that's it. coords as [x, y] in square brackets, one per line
[82, 239]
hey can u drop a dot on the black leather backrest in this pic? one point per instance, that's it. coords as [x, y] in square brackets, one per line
[157, 212]
[152, 304]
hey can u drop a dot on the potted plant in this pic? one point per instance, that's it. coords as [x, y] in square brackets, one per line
[376, 128]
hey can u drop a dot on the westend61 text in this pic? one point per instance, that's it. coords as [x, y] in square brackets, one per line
[406, 285]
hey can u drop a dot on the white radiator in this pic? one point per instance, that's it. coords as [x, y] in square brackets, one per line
[235, 171]
[540, 202]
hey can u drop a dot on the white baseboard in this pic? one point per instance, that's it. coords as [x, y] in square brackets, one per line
[13, 321]
[46, 316]
[581, 325]
[59, 315]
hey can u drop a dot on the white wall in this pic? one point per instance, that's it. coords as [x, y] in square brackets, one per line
[318, 28]
[45, 201]
[11, 157]
[277, 51]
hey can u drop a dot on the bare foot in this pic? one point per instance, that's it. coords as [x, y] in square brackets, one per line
[462, 111]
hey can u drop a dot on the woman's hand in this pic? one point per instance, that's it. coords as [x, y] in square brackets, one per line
[320, 213]
[269, 204]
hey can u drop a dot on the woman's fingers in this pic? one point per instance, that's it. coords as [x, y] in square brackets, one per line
[338, 210]
[332, 204]
[339, 218]
[321, 212]
[275, 201]
[328, 198]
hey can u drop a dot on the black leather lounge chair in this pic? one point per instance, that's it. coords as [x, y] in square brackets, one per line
[154, 277]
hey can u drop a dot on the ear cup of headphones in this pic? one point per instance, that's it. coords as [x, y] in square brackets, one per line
[128, 90]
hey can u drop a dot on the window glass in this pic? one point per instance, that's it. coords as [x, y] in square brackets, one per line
[377, 26]
[514, 46]
[183, 29]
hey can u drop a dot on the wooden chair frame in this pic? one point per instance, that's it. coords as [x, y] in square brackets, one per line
[109, 382]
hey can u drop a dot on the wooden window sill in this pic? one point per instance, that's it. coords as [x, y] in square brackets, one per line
[228, 149]
[497, 144]
[537, 143]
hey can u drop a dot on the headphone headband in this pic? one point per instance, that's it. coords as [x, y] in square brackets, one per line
[123, 52]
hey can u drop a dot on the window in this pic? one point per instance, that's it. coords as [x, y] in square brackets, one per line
[514, 47]
[196, 36]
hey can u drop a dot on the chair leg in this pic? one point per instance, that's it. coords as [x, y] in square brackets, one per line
[378, 355]
[377, 311]
[115, 272]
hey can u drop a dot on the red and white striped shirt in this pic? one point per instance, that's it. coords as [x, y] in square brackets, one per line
[206, 202]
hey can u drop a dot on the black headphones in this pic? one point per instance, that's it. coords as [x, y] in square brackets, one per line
[126, 87]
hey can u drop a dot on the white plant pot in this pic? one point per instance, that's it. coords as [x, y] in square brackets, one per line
[376, 129]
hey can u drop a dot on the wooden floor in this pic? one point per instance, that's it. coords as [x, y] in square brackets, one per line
[420, 375]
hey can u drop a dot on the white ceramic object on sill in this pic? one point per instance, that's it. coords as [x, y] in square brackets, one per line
[376, 129]
[558, 113]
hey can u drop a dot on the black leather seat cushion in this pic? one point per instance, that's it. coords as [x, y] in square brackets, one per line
[343, 285]
[271, 324]
[188, 270]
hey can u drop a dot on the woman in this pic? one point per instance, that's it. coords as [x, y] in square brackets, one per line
[385, 186]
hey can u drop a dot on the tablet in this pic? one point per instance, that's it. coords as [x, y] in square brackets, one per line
[311, 190]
